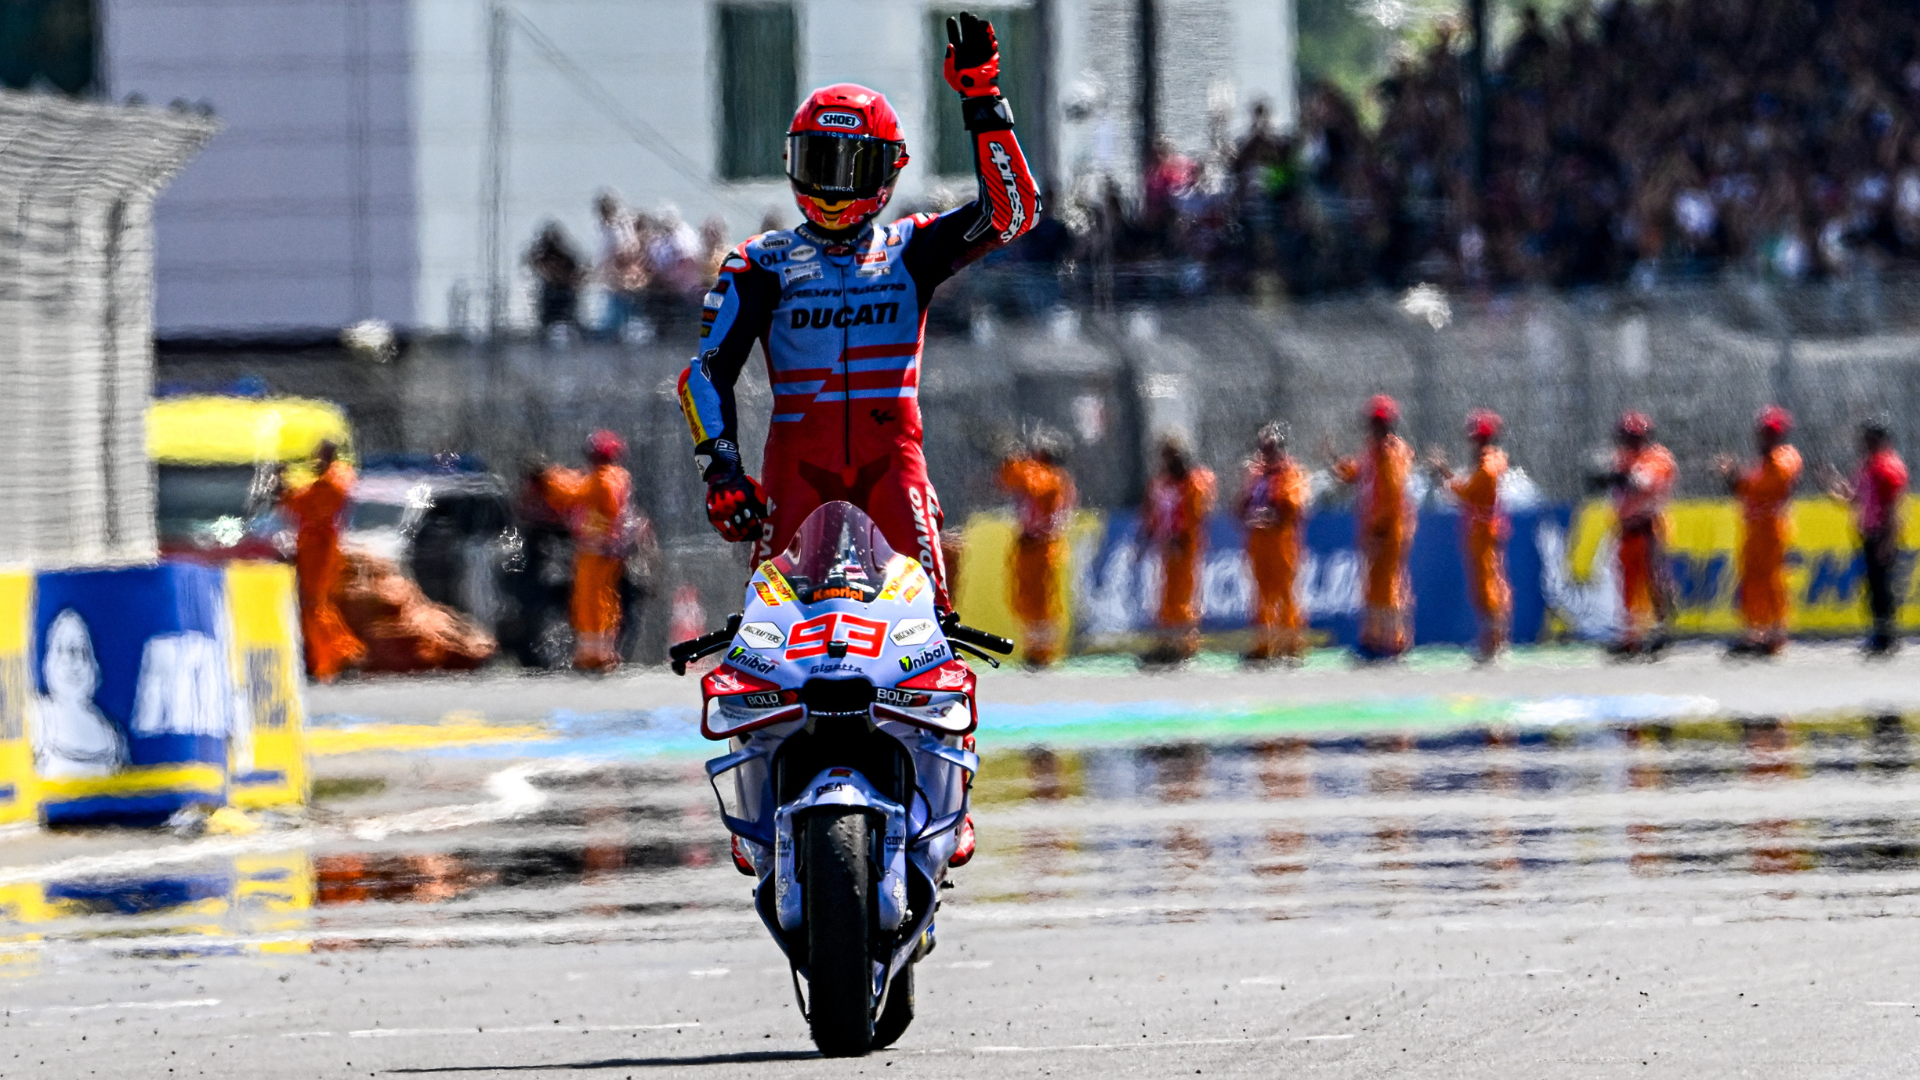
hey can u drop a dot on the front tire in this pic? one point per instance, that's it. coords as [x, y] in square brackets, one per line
[836, 892]
[897, 1014]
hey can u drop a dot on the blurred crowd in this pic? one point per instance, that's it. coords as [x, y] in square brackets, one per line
[1629, 140]
[650, 266]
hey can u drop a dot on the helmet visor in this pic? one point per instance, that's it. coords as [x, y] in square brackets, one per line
[842, 164]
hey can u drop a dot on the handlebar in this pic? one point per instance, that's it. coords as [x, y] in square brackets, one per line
[958, 631]
[688, 651]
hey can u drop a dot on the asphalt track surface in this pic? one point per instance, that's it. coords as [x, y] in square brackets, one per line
[1562, 868]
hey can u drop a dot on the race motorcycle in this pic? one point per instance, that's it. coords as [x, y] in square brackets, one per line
[849, 718]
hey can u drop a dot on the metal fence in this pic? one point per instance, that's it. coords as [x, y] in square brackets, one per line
[1701, 356]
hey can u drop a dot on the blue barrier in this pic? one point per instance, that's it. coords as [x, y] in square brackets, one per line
[1120, 591]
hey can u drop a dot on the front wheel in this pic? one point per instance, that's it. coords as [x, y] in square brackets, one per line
[835, 894]
[898, 1011]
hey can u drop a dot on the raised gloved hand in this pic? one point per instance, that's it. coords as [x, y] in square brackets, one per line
[736, 503]
[973, 56]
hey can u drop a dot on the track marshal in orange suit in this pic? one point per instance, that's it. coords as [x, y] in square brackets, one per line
[1765, 491]
[1484, 528]
[597, 506]
[1385, 522]
[1642, 480]
[1273, 505]
[1044, 498]
[316, 510]
[1178, 502]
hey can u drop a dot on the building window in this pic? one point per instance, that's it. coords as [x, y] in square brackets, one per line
[48, 43]
[759, 88]
[1018, 31]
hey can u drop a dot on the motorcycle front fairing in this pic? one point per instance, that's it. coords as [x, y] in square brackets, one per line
[839, 645]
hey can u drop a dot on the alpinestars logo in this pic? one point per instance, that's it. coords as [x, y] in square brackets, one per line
[1017, 210]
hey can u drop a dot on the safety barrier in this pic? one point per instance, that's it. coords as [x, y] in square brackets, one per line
[127, 694]
[1560, 561]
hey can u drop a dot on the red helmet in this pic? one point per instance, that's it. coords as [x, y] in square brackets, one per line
[1383, 408]
[1775, 421]
[1484, 425]
[1634, 424]
[605, 446]
[844, 152]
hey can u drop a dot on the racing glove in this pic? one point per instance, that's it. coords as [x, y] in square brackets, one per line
[736, 503]
[973, 57]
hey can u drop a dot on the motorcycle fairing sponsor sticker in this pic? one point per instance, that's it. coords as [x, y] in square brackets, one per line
[911, 632]
[777, 581]
[930, 655]
[903, 574]
[770, 699]
[863, 637]
[742, 657]
[763, 635]
[887, 695]
[767, 595]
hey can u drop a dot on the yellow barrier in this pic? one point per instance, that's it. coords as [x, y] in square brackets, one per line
[986, 572]
[18, 796]
[269, 766]
[1826, 584]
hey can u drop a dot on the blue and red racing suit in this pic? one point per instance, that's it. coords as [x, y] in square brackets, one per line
[842, 324]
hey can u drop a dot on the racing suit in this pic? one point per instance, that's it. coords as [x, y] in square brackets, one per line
[841, 323]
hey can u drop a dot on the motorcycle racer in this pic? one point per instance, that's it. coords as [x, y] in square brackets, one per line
[838, 306]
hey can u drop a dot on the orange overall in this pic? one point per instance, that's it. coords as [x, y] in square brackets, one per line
[1640, 506]
[1385, 535]
[330, 646]
[1765, 492]
[1273, 501]
[1044, 498]
[1486, 529]
[595, 505]
[1178, 522]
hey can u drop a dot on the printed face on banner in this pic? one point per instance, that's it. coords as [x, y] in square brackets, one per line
[71, 736]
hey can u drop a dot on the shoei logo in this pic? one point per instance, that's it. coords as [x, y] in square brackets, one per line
[762, 635]
[911, 632]
[845, 121]
[742, 657]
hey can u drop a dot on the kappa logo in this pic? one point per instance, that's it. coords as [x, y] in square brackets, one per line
[844, 121]
[762, 635]
[743, 657]
[821, 318]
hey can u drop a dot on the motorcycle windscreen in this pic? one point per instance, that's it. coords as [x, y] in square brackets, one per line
[838, 540]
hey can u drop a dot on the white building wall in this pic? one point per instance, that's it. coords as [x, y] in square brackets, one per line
[260, 233]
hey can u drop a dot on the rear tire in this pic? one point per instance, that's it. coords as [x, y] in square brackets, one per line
[897, 1014]
[835, 894]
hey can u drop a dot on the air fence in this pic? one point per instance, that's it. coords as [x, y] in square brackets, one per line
[1702, 357]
